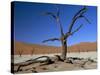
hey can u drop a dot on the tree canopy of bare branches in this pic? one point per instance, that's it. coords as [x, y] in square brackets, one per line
[63, 38]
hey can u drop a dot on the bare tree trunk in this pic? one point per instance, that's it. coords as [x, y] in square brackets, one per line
[64, 50]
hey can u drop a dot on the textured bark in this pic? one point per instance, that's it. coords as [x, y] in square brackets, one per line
[64, 50]
[29, 62]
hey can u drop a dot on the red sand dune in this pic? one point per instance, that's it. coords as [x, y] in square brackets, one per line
[41, 49]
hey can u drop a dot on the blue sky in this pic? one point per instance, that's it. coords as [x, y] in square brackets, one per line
[32, 27]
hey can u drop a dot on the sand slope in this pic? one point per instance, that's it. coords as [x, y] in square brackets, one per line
[42, 49]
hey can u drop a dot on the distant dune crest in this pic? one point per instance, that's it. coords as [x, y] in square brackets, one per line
[41, 49]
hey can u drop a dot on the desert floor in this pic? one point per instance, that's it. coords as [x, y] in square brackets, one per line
[75, 61]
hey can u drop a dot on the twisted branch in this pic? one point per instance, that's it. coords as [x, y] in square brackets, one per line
[56, 17]
[76, 29]
[52, 39]
[77, 16]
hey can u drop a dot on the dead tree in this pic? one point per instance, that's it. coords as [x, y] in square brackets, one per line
[32, 51]
[20, 52]
[64, 37]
